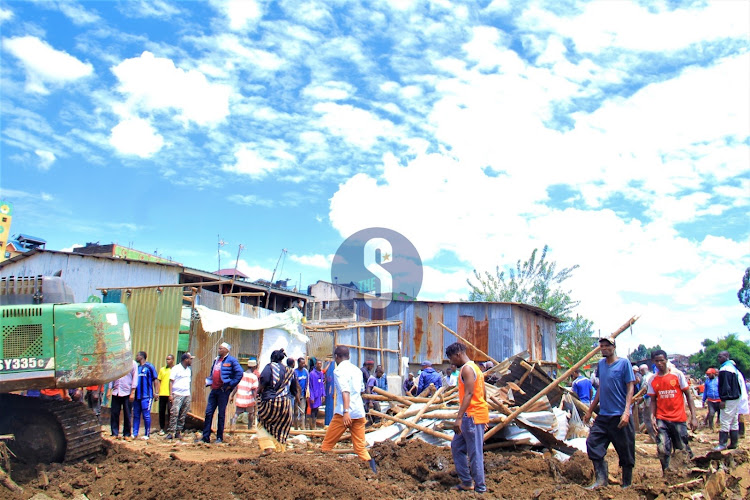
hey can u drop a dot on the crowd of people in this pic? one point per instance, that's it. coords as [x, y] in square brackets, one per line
[289, 393]
[667, 395]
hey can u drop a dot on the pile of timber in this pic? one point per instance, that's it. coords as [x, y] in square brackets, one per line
[521, 393]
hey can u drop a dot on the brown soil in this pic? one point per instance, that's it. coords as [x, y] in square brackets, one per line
[159, 468]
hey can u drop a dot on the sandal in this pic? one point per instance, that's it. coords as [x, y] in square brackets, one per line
[461, 487]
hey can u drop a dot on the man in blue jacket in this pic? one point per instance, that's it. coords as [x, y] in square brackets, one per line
[429, 376]
[226, 373]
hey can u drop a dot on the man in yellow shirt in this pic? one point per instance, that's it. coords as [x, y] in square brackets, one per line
[165, 407]
[473, 417]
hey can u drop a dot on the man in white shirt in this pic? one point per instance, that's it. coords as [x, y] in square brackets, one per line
[180, 379]
[349, 412]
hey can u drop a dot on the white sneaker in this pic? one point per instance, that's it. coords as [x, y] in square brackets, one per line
[145, 438]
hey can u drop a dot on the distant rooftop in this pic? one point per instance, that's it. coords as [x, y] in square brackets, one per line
[231, 272]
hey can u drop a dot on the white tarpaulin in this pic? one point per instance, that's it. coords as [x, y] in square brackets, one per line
[289, 321]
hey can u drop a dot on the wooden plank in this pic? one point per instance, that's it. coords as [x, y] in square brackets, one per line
[422, 428]
[421, 412]
[183, 285]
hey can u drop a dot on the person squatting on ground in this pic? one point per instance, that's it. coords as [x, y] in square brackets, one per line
[349, 412]
[180, 380]
[300, 408]
[316, 392]
[613, 424]
[731, 387]
[668, 389]
[145, 393]
[275, 386]
[429, 376]
[226, 373]
[711, 398]
[121, 393]
[244, 399]
[472, 420]
[164, 406]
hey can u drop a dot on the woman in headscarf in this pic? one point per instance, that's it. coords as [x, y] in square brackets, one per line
[275, 406]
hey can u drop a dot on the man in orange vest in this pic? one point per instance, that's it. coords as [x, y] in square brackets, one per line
[473, 418]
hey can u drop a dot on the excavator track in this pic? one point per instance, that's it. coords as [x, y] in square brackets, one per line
[49, 431]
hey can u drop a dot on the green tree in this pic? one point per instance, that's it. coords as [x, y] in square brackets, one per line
[743, 294]
[575, 340]
[537, 282]
[642, 352]
[739, 352]
[533, 282]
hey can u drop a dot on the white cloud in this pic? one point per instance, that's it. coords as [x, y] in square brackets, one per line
[151, 8]
[71, 247]
[46, 159]
[5, 15]
[136, 136]
[329, 91]
[253, 271]
[358, 127]
[316, 260]
[240, 13]
[258, 160]
[77, 13]
[627, 25]
[45, 65]
[155, 83]
[250, 200]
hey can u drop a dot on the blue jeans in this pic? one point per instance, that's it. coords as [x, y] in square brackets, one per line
[217, 398]
[468, 448]
[142, 407]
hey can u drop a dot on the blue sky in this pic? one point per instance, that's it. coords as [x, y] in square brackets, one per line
[615, 132]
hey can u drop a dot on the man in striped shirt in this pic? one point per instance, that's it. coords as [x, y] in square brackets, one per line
[244, 398]
[144, 395]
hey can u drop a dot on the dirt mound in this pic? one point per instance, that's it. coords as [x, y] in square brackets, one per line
[415, 470]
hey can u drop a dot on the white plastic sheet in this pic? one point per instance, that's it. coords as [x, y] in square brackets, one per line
[289, 321]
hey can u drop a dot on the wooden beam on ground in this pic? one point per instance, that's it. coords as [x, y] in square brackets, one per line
[556, 382]
[392, 396]
[421, 412]
[422, 428]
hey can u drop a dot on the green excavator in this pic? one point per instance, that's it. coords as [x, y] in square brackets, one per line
[47, 341]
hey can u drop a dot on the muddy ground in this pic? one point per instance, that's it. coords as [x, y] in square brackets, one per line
[159, 468]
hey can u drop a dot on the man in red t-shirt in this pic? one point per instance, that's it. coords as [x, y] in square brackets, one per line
[668, 390]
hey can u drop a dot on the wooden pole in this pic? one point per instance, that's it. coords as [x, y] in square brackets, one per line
[421, 412]
[471, 345]
[392, 396]
[556, 382]
[413, 425]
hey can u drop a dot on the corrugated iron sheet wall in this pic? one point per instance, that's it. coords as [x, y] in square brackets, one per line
[500, 330]
[204, 346]
[154, 320]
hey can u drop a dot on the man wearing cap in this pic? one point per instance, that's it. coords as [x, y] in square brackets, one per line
[180, 380]
[244, 399]
[429, 376]
[368, 368]
[711, 397]
[613, 424]
[226, 373]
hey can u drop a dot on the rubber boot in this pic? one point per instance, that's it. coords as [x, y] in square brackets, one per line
[665, 460]
[373, 466]
[734, 439]
[723, 437]
[742, 429]
[600, 475]
[627, 477]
